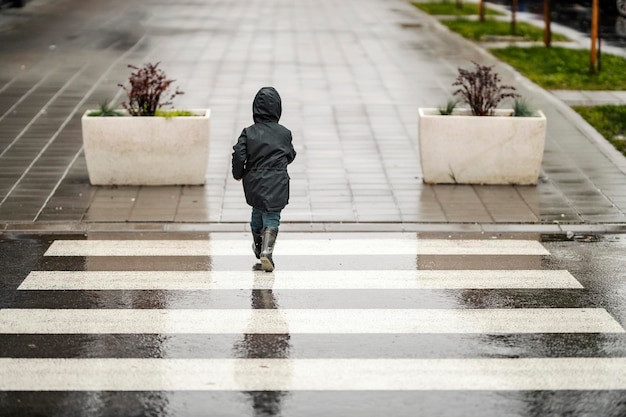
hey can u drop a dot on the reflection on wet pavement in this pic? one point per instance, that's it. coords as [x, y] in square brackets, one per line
[577, 276]
[256, 345]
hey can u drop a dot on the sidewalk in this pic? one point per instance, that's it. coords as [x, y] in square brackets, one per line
[352, 75]
[591, 98]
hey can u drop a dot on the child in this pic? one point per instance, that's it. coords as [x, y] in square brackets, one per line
[260, 157]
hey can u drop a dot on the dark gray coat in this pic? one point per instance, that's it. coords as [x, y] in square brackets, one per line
[262, 154]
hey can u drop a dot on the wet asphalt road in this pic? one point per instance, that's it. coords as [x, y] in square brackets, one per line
[596, 263]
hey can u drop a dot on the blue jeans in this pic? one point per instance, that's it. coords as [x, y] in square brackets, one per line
[262, 219]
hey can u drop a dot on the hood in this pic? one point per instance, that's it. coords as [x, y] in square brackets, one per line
[267, 106]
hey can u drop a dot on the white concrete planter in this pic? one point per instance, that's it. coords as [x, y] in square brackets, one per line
[465, 149]
[131, 150]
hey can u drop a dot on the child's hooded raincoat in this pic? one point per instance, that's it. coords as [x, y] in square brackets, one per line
[262, 154]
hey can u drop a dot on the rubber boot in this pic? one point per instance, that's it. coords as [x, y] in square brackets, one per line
[256, 244]
[269, 239]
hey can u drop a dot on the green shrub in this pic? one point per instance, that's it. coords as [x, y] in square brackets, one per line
[105, 110]
[168, 114]
[521, 108]
[448, 108]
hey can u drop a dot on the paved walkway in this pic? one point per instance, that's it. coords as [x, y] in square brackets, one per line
[352, 75]
[591, 98]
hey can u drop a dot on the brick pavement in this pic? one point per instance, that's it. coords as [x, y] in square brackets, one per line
[352, 75]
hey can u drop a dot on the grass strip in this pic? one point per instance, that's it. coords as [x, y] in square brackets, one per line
[609, 121]
[482, 31]
[452, 9]
[565, 69]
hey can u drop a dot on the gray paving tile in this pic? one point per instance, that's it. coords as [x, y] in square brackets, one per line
[350, 89]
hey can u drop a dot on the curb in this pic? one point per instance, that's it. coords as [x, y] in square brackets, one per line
[534, 228]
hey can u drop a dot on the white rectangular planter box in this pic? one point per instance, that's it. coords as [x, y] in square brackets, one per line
[134, 150]
[465, 149]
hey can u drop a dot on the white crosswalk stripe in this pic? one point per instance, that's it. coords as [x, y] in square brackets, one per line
[292, 321]
[285, 374]
[312, 374]
[319, 247]
[302, 280]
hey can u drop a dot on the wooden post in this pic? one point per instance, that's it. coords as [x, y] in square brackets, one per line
[599, 49]
[481, 10]
[513, 17]
[547, 32]
[594, 38]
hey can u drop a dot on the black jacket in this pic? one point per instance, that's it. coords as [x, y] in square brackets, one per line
[262, 154]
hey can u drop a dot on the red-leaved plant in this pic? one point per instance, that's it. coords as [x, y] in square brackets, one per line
[147, 84]
[481, 89]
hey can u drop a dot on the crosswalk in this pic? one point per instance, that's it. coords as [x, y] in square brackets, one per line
[307, 321]
[315, 374]
[294, 280]
[320, 247]
[274, 338]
